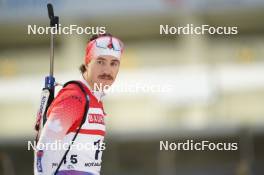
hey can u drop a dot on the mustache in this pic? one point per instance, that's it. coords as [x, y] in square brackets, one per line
[106, 76]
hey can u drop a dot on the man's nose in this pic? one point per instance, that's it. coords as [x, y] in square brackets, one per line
[107, 69]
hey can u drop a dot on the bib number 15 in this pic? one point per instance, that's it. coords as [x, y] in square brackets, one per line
[73, 159]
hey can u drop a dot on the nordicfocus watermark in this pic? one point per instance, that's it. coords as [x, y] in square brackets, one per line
[134, 88]
[66, 30]
[58, 145]
[191, 29]
[191, 145]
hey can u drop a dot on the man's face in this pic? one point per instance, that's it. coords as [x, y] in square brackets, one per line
[102, 71]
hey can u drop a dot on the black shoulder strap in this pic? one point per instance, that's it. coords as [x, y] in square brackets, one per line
[87, 100]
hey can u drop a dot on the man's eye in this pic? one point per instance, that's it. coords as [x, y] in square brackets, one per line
[114, 64]
[100, 62]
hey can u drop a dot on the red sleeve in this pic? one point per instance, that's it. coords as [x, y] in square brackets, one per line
[65, 112]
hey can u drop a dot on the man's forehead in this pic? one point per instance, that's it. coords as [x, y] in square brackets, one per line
[108, 57]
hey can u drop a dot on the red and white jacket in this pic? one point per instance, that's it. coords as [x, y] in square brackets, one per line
[63, 119]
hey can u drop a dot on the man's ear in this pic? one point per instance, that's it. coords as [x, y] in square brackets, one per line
[87, 65]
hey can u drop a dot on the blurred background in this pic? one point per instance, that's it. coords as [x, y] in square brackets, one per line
[216, 83]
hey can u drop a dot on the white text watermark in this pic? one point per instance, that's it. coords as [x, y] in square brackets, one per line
[58, 145]
[191, 145]
[66, 30]
[134, 88]
[191, 29]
